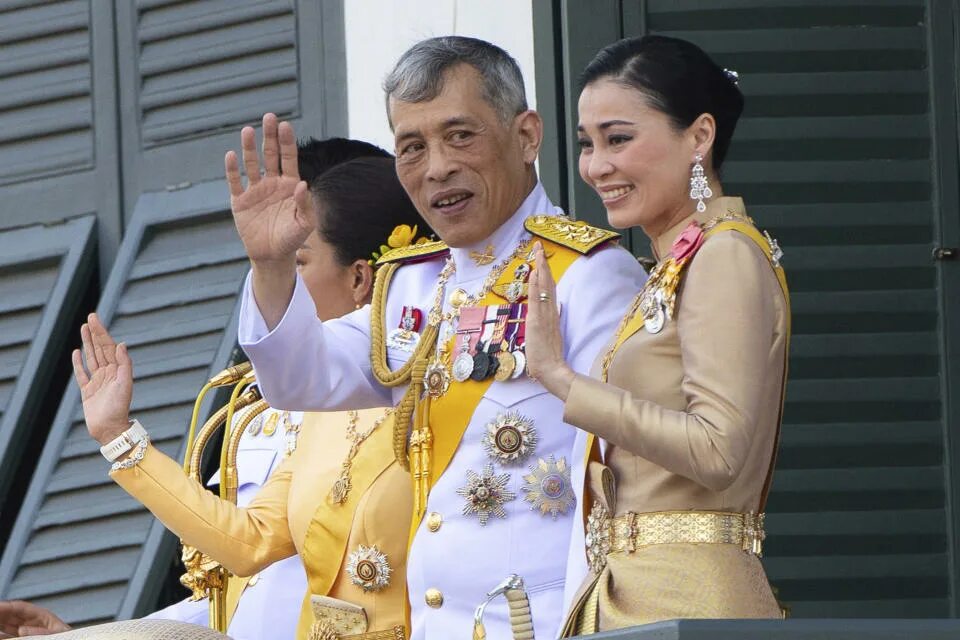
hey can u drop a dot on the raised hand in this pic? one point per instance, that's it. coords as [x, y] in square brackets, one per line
[274, 214]
[19, 619]
[544, 341]
[106, 384]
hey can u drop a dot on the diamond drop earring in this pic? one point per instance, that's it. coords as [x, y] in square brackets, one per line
[699, 187]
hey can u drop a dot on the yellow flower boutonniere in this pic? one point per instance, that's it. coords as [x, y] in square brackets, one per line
[403, 236]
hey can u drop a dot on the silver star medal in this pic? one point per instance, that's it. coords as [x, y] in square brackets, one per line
[510, 438]
[548, 487]
[368, 568]
[485, 494]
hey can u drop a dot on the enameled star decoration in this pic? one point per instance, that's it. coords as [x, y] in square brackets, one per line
[485, 494]
[548, 487]
[368, 568]
[510, 438]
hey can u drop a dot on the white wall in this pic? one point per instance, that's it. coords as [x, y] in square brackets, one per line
[379, 31]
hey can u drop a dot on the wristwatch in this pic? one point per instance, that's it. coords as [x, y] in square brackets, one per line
[124, 442]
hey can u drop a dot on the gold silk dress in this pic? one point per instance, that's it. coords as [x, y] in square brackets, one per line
[690, 418]
[293, 513]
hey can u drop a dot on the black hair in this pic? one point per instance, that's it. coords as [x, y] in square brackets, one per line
[317, 156]
[678, 79]
[361, 202]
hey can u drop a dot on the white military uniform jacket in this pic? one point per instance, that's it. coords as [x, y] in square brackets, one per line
[309, 365]
[270, 605]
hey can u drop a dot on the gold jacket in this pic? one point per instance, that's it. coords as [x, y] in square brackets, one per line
[293, 513]
[690, 417]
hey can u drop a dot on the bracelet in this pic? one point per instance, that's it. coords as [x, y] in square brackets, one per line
[135, 458]
[124, 442]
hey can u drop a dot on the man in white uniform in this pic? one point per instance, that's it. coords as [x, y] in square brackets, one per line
[509, 495]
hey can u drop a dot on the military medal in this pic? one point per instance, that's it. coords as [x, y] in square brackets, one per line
[270, 426]
[548, 487]
[519, 340]
[436, 379]
[458, 298]
[507, 364]
[481, 359]
[481, 364]
[516, 290]
[255, 425]
[652, 309]
[368, 568]
[406, 336]
[485, 494]
[471, 321]
[521, 364]
[510, 438]
[292, 436]
[506, 357]
[463, 364]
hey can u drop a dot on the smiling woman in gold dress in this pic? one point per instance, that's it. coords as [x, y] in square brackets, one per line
[684, 407]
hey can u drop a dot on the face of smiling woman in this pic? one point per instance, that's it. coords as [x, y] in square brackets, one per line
[465, 169]
[635, 159]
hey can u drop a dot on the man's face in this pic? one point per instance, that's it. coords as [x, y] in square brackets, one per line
[465, 169]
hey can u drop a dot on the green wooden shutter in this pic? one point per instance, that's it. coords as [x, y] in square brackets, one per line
[58, 128]
[194, 71]
[81, 546]
[44, 274]
[833, 155]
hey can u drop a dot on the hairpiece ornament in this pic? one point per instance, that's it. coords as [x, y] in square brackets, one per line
[402, 236]
[732, 76]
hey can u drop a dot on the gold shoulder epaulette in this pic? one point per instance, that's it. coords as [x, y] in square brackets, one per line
[413, 252]
[574, 234]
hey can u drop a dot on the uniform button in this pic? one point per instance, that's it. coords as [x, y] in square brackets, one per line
[434, 521]
[433, 598]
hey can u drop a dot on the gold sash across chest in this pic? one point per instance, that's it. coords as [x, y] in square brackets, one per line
[636, 322]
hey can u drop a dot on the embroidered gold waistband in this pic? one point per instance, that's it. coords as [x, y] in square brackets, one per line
[321, 631]
[631, 531]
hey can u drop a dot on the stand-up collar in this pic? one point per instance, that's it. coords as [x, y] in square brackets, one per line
[504, 240]
[715, 207]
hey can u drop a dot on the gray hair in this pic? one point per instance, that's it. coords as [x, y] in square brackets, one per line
[418, 74]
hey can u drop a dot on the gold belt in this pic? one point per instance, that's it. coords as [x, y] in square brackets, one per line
[631, 531]
[321, 631]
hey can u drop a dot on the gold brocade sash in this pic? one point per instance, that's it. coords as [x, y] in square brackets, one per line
[449, 415]
[325, 544]
[636, 323]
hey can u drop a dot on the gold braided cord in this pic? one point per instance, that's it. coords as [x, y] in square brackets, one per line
[412, 370]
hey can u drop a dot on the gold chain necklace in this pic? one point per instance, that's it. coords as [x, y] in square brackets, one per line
[341, 488]
[436, 315]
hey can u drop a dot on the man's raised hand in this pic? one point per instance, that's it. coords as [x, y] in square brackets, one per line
[274, 213]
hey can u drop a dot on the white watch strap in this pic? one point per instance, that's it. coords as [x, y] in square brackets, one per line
[124, 442]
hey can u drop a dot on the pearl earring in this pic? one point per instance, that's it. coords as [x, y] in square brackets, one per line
[699, 186]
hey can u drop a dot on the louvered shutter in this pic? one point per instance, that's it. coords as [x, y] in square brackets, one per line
[44, 274]
[199, 70]
[81, 546]
[834, 156]
[58, 133]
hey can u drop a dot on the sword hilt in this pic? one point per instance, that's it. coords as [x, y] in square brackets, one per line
[521, 620]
